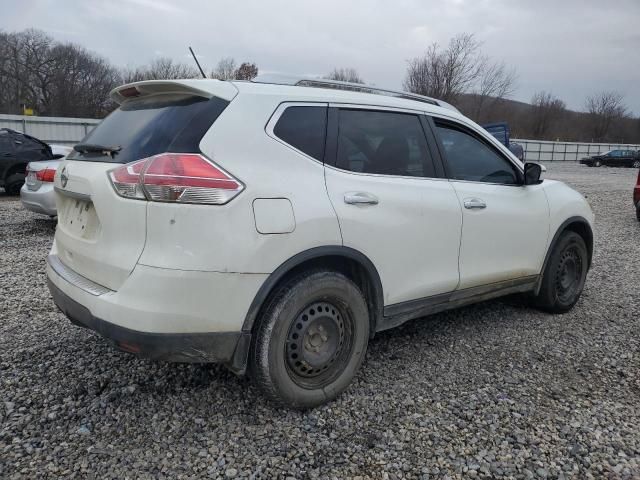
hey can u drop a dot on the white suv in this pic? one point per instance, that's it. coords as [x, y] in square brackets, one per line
[275, 228]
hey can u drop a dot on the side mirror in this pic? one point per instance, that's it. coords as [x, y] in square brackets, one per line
[532, 173]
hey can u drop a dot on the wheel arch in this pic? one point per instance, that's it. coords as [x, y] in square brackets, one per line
[576, 224]
[354, 264]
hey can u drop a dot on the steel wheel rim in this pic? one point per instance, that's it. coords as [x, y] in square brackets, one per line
[319, 344]
[568, 275]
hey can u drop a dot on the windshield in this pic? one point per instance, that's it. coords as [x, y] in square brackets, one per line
[150, 125]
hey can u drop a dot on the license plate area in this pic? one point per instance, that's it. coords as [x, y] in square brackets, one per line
[79, 218]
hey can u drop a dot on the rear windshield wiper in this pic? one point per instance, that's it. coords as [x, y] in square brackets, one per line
[94, 148]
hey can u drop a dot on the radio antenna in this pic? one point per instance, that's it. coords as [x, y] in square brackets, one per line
[197, 63]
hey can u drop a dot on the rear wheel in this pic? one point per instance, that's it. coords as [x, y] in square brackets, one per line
[14, 183]
[311, 339]
[564, 275]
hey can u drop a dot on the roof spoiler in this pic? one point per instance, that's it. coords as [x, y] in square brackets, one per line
[200, 88]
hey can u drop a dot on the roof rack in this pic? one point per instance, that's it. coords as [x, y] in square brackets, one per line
[353, 87]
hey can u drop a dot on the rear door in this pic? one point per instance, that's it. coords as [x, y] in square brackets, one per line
[101, 235]
[505, 224]
[391, 200]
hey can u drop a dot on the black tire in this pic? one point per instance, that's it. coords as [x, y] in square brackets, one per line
[597, 163]
[564, 275]
[310, 340]
[13, 183]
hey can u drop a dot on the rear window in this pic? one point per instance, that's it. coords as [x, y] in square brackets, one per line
[304, 128]
[152, 125]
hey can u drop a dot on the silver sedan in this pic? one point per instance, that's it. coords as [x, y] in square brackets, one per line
[37, 193]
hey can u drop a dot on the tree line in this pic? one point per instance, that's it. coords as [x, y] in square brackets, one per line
[65, 79]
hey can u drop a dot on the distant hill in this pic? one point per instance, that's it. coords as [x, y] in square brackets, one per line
[568, 126]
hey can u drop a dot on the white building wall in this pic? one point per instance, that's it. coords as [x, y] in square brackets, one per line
[60, 130]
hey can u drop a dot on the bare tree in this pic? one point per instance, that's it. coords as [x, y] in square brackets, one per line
[495, 82]
[458, 69]
[547, 110]
[161, 69]
[447, 73]
[246, 71]
[225, 70]
[604, 108]
[345, 75]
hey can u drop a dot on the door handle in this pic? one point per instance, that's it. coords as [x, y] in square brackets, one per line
[360, 198]
[474, 203]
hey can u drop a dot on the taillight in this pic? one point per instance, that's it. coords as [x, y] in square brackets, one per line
[46, 175]
[175, 177]
[126, 180]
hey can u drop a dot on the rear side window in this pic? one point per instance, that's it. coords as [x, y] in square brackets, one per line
[469, 158]
[385, 143]
[304, 128]
[150, 125]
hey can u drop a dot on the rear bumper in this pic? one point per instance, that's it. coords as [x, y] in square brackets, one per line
[163, 314]
[225, 347]
[42, 200]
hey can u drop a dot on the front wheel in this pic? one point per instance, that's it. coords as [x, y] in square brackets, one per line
[565, 274]
[597, 163]
[311, 339]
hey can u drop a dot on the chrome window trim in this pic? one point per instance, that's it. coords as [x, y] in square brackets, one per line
[382, 175]
[75, 278]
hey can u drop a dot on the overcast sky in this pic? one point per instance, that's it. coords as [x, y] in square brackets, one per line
[572, 48]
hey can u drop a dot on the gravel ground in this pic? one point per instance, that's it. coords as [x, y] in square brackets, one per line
[493, 390]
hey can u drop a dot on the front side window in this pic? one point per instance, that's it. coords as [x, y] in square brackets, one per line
[471, 159]
[304, 128]
[385, 143]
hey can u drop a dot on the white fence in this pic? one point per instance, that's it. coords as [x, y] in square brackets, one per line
[536, 150]
[60, 130]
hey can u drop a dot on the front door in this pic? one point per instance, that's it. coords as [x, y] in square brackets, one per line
[505, 223]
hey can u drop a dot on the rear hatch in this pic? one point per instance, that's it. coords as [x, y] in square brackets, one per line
[101, 235]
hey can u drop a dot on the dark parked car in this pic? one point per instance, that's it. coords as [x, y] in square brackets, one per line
[16, 151]
[614, 158]
[501, 131]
